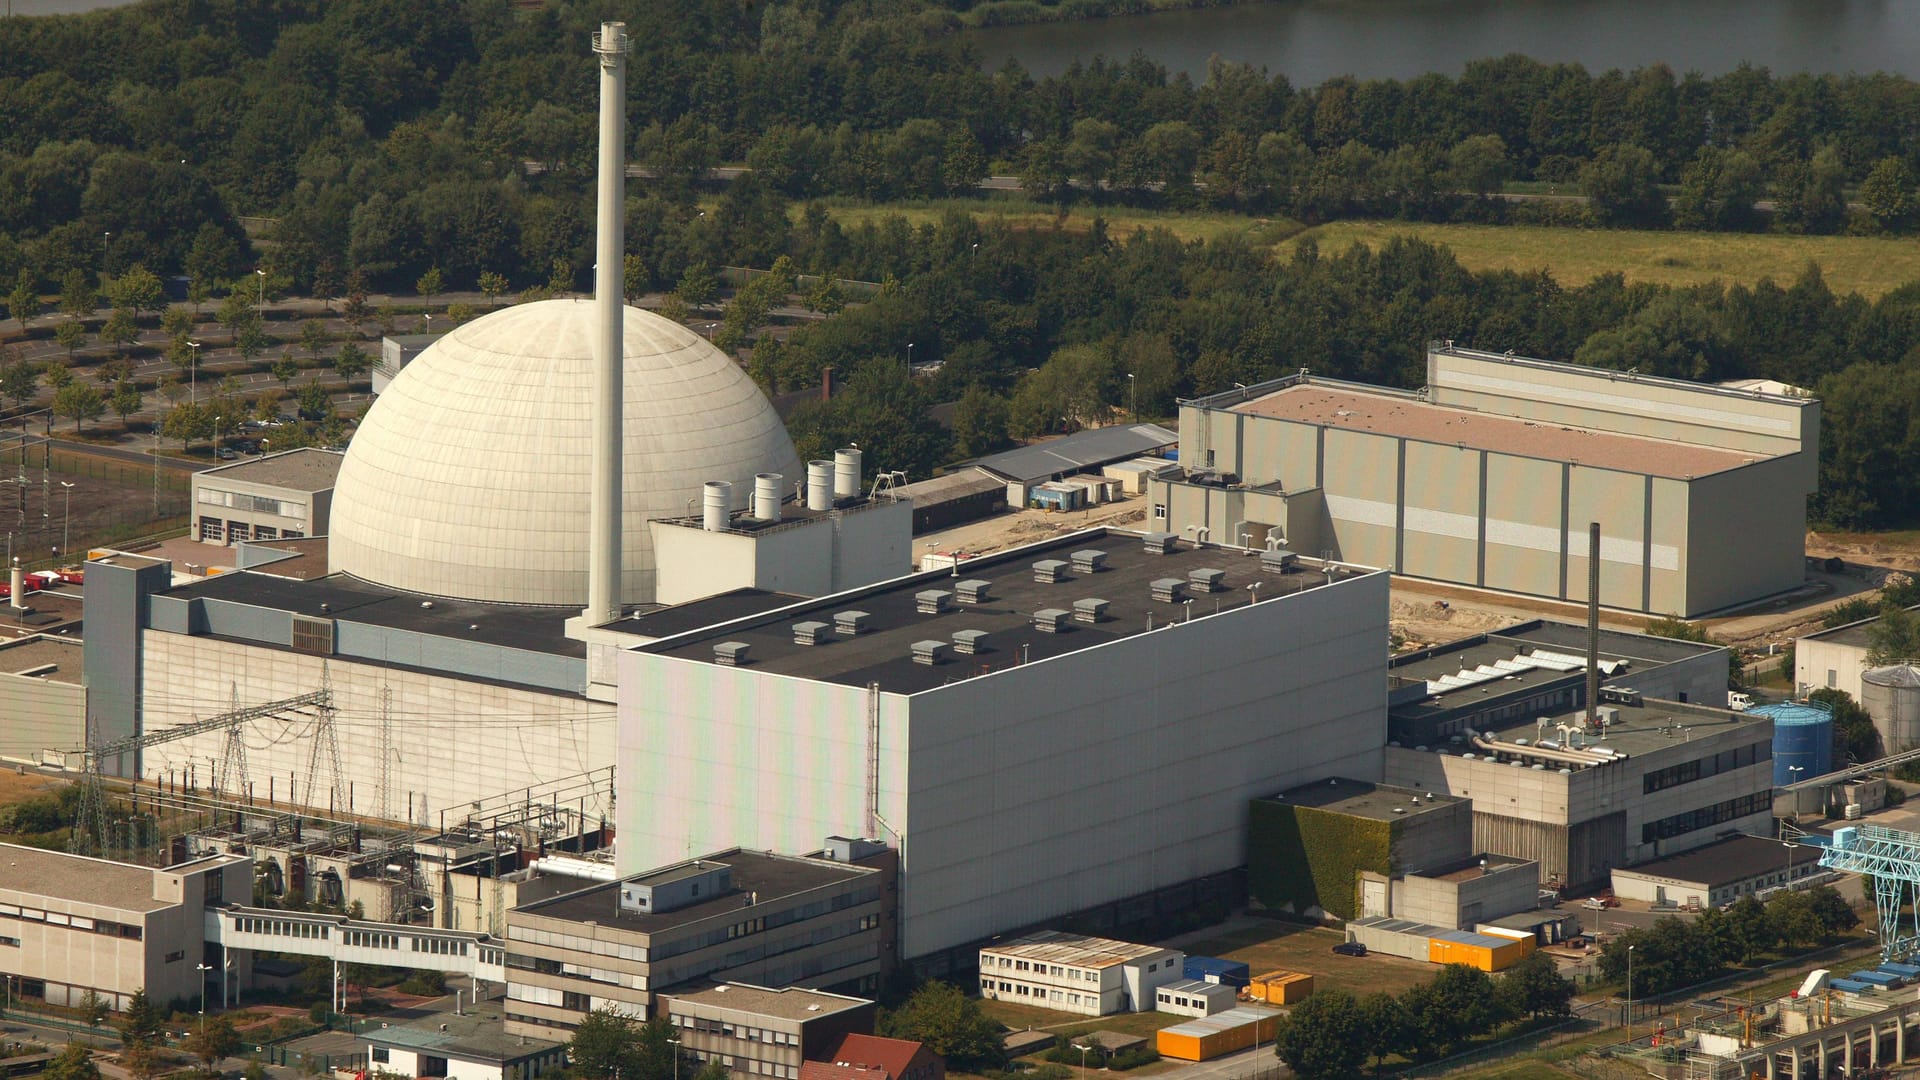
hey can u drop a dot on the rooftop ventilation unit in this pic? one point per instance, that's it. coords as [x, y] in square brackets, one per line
[969, 642]
[932, 601]
[811, 632]
[731, 653]
[766, 495]
[1169, 590]
[1158, 543]
[1051, 620]
[1050, 571]
[972, 590]
[1207, 579]
[1090, 610]
[850, 622]
[929, 652]
[1278, 560]
[718, 505]
[1088, 561]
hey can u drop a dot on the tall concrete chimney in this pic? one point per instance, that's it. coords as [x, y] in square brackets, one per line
[1593, 624]
[609, 349]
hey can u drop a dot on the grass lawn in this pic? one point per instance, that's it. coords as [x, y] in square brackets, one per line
[1278, 945]
[1515, 1070]
[1020, 1017]
[1865, 264]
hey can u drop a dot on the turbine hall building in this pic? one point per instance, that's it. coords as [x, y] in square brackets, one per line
[1488, 476]
[1056, 727]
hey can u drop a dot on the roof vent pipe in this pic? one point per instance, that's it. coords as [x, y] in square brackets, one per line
[766, 495]
[846, 473]
[718, 505]
[819, 485]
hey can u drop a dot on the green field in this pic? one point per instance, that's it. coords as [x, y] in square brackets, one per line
[1865, 264]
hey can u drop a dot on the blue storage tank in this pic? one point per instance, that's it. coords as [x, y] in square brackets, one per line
[1802, 736]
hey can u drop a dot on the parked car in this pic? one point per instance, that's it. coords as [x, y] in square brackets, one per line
[225, 454]
[1350, 948]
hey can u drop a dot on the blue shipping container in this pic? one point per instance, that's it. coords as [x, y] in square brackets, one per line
[1905, 971]
[1851, 986]
[1214, 970]
[1877, 978]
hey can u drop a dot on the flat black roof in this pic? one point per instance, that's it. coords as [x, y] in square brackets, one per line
[883, 653]
[708, 611]
[1727, 861]
[343, 596]
[770, 876]
[1358, 798]
[1082, 450]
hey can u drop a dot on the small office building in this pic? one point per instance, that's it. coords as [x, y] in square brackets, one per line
[1193, 997]
[1024, 470]
[1077, 974]
[872, 1057]
[783, 920]
[1721, 872]
[280, 495]
[760, 1032]
[71, 925]
[469, 1044]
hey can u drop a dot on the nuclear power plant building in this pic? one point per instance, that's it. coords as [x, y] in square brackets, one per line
[1489, 475]
[1040, 732]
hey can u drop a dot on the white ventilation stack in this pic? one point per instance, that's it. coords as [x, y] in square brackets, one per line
[718, 505]
[819, 485]
[766, 495]
[609, 349]
[19, 581]
[846, 473]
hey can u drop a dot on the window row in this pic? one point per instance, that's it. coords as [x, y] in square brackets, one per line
[1706, 817]
[72, 922]
[1712, 765]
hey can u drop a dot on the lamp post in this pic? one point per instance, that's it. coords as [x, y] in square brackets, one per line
[156, 465]
[193, 374]
[66, 518]
[1083, 1048]
[1629, 995]
[203, 969]
[106, 238]
[1133, 397]
[216, 436]
[675, 1043]
[909, 359]
[260, 294]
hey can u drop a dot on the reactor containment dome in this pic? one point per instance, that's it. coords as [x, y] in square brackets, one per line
[469, 476]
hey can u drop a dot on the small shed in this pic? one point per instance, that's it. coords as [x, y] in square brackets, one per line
[1191, 997]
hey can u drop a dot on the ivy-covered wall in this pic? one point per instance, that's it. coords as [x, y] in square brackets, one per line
[1299, 857]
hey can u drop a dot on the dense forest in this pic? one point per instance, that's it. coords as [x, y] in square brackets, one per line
[389, 138]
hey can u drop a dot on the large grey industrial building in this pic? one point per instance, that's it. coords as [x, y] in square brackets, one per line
[1058, 765]
[1489, 475]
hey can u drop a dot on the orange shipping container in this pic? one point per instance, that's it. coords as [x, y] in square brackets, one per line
[1475, 951]
[1222, 1033]
[1281, 987]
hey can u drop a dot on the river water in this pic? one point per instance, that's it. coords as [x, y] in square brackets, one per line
[1311, 41]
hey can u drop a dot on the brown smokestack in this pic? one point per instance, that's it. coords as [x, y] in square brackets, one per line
[1593, 624]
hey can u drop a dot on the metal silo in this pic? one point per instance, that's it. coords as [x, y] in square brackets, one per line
[1802, 740]
[1892, 695]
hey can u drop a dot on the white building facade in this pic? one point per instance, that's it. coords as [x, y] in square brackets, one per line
[1075, 974]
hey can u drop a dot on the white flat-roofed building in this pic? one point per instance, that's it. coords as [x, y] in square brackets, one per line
[1078, 974]
[1191, 997]
[267, 498]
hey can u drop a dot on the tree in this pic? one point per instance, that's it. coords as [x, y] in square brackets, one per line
[284, 369]
[314, 401]
[1534, 987]
[1454, 1006]
[126, 400]
[142, 1021]
[213, 1039]
[58, 375]
[314, 336]
[351, 362]
[1810, 196]
[1888, 194]
[1386, 1025]
[77, 297]
[491, 286]
[634, 278]
[120, 329]
[1478, 165]
[138, 290]
[252, 340]
[950, 1023]
[23, 302]
[1895, 635]
[93, 1009]
[73, 1063]
[1835, 914]
[1325, 1037]
[186, 422]
[826, 298]
[79, 401]
[175, 322]
[71, 334]
[142, 1059]
[608, 1044]
[1794, 920]
[1717, 191]
[1622, 186]
[20, 381]
[697, 286]
[430, 284]
[979, 423]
